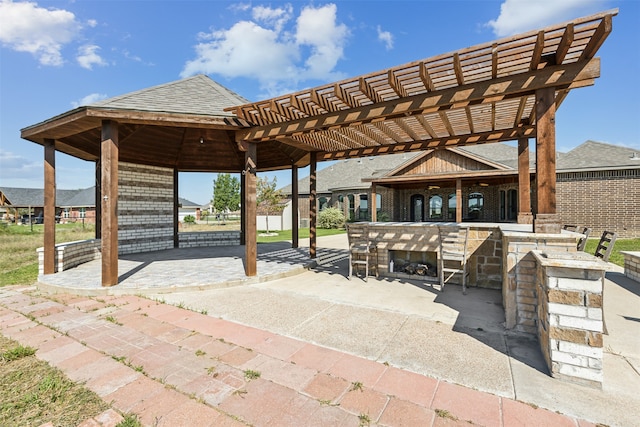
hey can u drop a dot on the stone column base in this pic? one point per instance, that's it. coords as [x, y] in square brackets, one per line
[525, 218]
[547, 223]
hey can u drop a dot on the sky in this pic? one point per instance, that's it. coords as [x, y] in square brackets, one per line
[58, 55]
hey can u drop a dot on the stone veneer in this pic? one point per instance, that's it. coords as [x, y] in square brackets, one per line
[519, 274]
[632, 265]
[145, 208]
[484, 245]
[570, 315]
[208, 239]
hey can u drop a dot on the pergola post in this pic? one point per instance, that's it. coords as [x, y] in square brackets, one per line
[295, 235]
[313, 203]
[250, 206]
[546, 219]
[524, 183]
[49, 206]
[109, 202]
[458, 200]
[243, 209]
[374, 204]
[98, 196]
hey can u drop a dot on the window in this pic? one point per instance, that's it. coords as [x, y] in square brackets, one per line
[417, 208]
[363, 210]
[512, 204]
[83, 212]
[476, 203]
[503, 205]
[435, 207]
[378, 202]
[323, 203]
[452, 205]
[351, 200]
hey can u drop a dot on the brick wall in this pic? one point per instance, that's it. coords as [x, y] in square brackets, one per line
[209, 239]
[602, 200]
[145, 208]
[70, 254]
[632, 265]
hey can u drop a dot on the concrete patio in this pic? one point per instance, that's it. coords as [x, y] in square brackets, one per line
[405, 324]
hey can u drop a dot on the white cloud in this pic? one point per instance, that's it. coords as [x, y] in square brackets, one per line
[385, 37]
[88, 56]
[25, 27]
[264, 50]
[89, 99]
[517, 16]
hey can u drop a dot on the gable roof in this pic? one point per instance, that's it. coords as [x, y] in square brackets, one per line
[25, 197]
[194, 95]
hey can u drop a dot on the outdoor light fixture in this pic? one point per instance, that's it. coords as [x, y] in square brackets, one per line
[201, 140]
[434, 187]
[483, 184]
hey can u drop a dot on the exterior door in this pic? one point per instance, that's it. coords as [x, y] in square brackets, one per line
[417, 208]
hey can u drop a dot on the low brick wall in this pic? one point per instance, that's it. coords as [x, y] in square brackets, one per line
[570, 315]
[70, 254]
[208, 239]
[632, 265]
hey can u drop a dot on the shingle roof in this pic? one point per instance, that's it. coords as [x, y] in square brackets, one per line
[349, 173]
[598, 155]
[24, 197]
[194, 95]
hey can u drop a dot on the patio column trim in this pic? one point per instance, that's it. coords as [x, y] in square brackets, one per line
[109, 202]
[49, 206]
[295, 235]
[250, 203]
[546, 220]
[524, 183]
[458, 200]
[313, 203]
[374, 205]
[176, 206]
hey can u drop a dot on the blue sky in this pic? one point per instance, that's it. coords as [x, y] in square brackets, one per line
[57, 55]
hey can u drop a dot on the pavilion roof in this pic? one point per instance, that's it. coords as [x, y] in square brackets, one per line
[484, 93]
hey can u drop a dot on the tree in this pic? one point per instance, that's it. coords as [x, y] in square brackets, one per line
[226, 193]
[268, 198]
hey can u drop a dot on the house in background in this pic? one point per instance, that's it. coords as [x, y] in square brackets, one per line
[597, 184]
[71, 205]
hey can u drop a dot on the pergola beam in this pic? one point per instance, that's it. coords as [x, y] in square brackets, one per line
[558, 76]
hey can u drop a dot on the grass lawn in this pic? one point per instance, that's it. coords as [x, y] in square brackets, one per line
[620, 245]
[284, 235]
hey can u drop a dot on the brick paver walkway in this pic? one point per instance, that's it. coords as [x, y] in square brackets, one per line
[175, 367]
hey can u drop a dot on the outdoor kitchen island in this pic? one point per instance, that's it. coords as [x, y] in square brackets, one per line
[409, 250]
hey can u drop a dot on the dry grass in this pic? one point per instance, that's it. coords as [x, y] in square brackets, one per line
[33, 393]
[18, 257]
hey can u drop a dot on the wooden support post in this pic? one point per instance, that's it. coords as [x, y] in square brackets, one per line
[546, 220]
[109, 202]
[98, 197]
[250, 203]
[458, 200]
[295, 235]
[524, 183]
[313, 203]
[243, 209]
[49, 206]
[374, 204]
[176, 206]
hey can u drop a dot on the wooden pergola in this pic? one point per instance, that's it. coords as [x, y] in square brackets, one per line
[500, 91]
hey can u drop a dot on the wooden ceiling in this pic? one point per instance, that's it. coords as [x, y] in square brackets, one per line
[476, 95]
[481, 94]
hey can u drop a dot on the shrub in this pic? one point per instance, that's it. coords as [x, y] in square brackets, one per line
[331, 218]
[189, 219]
